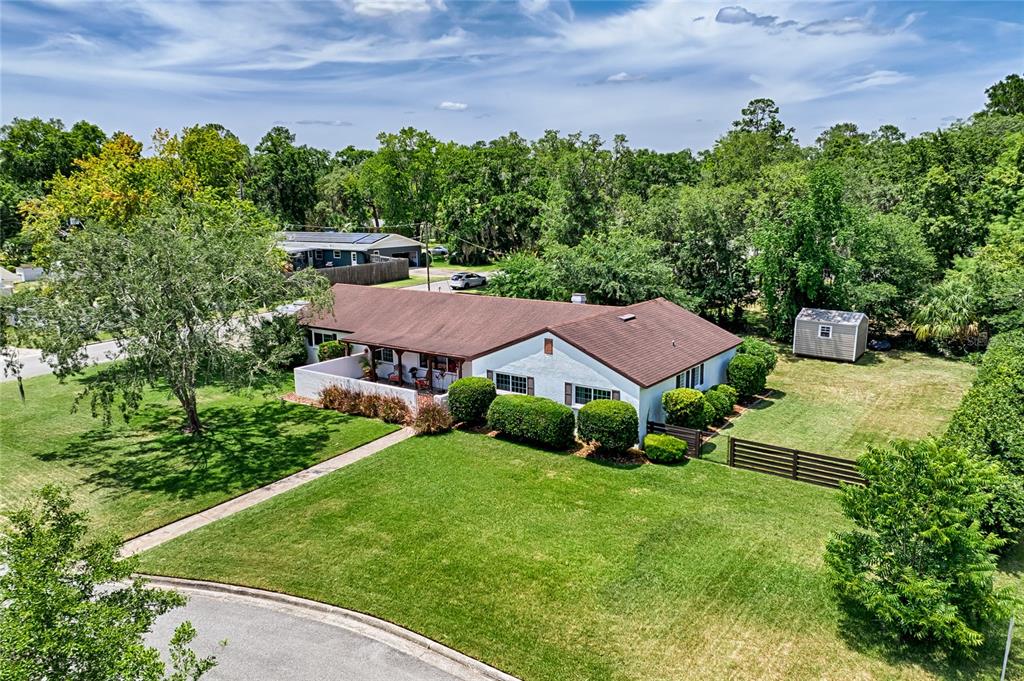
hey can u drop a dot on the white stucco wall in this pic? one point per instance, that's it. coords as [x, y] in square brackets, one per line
[650, 398]
[551, 372]
[346, 372]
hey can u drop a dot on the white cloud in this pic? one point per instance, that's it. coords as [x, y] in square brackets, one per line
[623, 77]
[383, 8]
[453, 106]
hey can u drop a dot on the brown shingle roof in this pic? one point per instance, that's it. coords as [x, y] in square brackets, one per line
[641, 349]
[447, 324]
[661, 339]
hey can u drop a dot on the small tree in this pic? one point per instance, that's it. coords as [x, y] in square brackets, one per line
[470, 397]
[760, 349]
[747, 374]
[69, 611]
[180, 289]
[918, 565]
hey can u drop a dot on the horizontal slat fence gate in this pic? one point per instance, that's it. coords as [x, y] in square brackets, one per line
[693, 438]
[792, 463]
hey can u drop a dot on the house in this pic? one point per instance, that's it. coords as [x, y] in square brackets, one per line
[340, 249]
[830, 334]
[569, 352]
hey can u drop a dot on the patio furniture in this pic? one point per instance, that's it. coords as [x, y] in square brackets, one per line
[395, 378]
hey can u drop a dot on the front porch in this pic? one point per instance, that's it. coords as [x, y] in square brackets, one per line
[348, 373]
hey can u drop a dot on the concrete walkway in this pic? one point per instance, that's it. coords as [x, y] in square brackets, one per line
[232, 506]
[276, 636]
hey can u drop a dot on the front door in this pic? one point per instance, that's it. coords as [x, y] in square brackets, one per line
[355, 258]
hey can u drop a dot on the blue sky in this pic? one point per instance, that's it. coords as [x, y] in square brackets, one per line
[667, 74]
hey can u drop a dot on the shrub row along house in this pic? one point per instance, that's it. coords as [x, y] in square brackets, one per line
[407, 343]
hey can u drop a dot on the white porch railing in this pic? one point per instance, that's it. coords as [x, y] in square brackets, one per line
[346, 373]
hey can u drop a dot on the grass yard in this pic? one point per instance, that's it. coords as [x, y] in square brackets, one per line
[553, 567]
[136, 476]
[403, 283]
[839, 408]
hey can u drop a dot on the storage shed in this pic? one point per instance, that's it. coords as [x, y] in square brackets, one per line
[830, 334]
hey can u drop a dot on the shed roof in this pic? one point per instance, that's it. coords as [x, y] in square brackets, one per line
[813, 314]
[660, 340]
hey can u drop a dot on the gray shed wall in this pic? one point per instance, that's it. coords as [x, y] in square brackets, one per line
[847, 342]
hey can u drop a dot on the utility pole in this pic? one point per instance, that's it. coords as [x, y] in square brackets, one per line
[1006, 655]
[426, 240]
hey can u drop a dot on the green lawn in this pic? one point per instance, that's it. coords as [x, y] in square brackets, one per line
[553, 567]
[838, 408]
[138, 476]
[402, 283]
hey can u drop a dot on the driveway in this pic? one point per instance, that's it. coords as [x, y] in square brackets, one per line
[33, 364]
[280, 640]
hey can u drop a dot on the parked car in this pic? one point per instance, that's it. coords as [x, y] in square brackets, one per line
[463, 280]
[439, 251]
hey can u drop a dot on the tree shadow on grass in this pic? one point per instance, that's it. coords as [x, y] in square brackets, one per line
[862, 635]
[242, 447]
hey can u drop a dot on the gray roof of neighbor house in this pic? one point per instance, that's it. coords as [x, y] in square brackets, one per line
[294, 242]
[647, 342]
[813, 314]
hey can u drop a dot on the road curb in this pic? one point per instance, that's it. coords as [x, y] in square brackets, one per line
[461, 659]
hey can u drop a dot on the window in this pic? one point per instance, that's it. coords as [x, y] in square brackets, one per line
[319, 255]
[337, 255]
[824, 331]
[386, 355]
[691, 378]
[323, 336]
[549, 346]
[583, 394]
[449, 364]
[511, 383]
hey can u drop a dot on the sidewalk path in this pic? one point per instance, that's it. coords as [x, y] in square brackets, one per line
[276, 636]
[232, 506]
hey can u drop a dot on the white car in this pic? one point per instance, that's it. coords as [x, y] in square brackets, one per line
[464, 280]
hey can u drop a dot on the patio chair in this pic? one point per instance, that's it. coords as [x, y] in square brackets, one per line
[395, 377]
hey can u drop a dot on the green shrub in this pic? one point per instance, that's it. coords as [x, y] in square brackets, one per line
[280, 342]
[469, 399]
[612, 424]
[987, 424]
[664, 448]
[760, 349]
[331, 350]
[432, 417]
[684, 407]
[719, 401]
[747, 374]
[533, 419]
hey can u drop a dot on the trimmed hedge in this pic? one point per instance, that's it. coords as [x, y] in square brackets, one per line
[533, 419]
[760, 349]
[747, 374]
[612, 424]
[331, 350]
[469, 398]
[719, 401]
[664, 448]
[684, 407]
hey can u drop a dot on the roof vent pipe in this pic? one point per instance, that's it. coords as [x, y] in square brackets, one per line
[579, 298]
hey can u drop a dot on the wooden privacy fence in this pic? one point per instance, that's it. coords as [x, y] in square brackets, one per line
[693, 438]
[378, 272]
[792, 463]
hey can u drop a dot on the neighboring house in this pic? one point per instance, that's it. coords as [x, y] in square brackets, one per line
[569, 352]
[830, 334]
[29, 272]
[340, 249]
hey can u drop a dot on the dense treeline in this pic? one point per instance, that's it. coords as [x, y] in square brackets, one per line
[924, 231]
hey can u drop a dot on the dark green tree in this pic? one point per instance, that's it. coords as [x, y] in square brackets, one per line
[918, 568]
[72, 610]
[1006, 97]
[284, 176]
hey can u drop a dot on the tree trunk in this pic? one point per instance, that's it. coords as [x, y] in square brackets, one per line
[187, 398]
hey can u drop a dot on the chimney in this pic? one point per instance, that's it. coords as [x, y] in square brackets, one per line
[579, 298]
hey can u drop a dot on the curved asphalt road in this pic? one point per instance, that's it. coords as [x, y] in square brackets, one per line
[272, 641]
